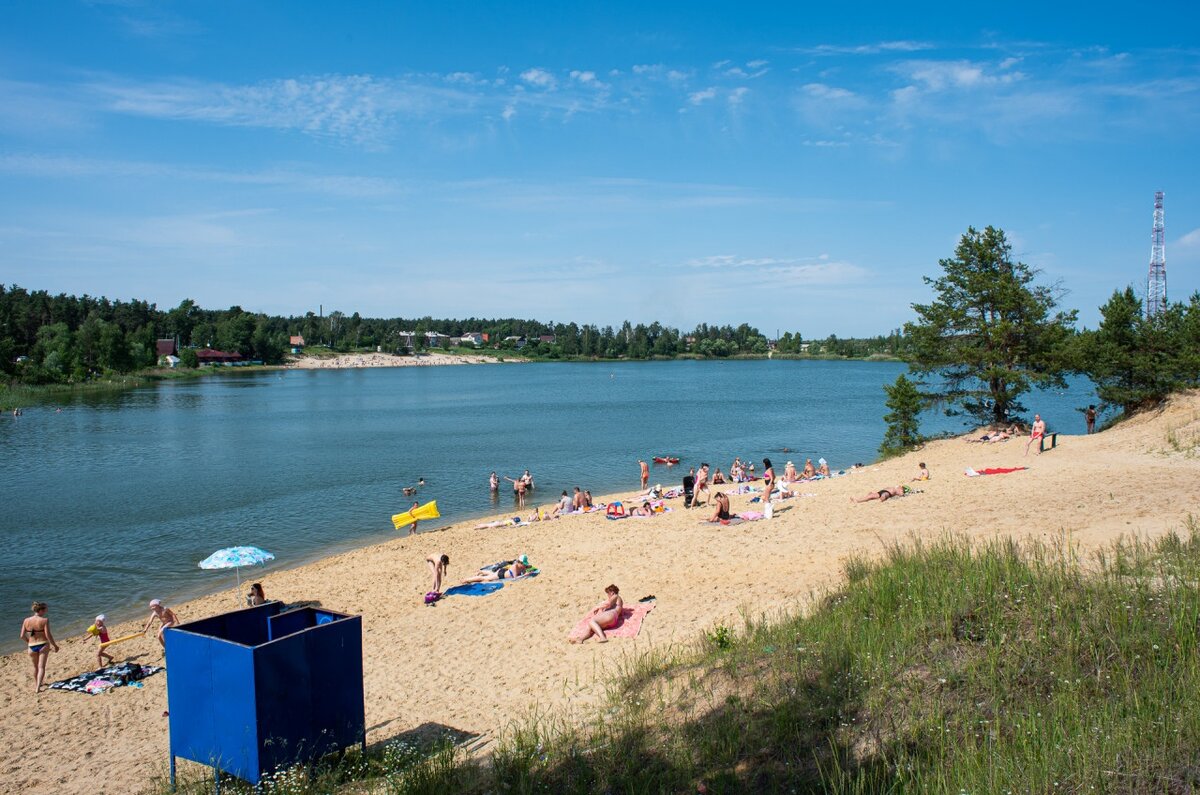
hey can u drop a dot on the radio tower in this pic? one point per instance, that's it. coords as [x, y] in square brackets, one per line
[1156, 282]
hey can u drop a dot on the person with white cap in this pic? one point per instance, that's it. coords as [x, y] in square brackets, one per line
[166, 617]
[100, 630]
[823, 467]
[789, 473]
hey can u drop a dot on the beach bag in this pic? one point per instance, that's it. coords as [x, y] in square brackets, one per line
[768, 510]
[432, 597]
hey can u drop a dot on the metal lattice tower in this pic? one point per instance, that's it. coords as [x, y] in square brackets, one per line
[1156, 282]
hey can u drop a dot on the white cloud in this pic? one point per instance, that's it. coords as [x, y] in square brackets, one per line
[819, 270]
[583, 77]
[757, 64]
[736, 96]
[1190, 240]
[943, 75]
[539, 78]
[510, 110]
[698, 97]
[868, 49]
[822, 91]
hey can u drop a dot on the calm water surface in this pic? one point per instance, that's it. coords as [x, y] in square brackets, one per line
[115, 499]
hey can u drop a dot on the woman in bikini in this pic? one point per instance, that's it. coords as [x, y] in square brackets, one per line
[35, 631]
[509, 572]
[768, 480]
[607, 617]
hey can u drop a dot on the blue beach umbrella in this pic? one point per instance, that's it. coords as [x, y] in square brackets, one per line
[235, 558]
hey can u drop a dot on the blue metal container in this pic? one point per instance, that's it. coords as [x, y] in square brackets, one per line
[258, 690]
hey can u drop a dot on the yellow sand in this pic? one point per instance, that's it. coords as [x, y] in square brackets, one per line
[472, 664]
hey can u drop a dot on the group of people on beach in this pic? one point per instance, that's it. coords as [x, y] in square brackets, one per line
[39, 639]
[521, 486]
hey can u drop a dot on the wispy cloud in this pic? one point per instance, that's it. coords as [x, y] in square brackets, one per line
[818, 270]
[700, 97]
[539, 78]
[867, 49]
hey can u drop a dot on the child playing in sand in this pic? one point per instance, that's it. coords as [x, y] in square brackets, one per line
[100, 630]
[922, 473]
[437, 567]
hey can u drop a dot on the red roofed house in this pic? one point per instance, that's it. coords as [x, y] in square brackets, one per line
[210, 356]
[165, 348]
[297, 343]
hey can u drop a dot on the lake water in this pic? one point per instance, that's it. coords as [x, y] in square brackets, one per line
[115, 499]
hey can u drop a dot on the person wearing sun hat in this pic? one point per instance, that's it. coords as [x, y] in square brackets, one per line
[166, 617]
[100, 630]
[823, 467]
[789, 473]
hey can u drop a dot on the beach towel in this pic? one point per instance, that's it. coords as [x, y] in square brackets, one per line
[973, 473]
[629, 625]
[473, 589]
[105, 679]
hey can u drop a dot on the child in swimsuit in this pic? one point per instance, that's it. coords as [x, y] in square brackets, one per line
[100, 630]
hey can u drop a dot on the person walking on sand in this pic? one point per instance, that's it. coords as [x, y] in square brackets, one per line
[700, 485]
[412, 528]
[35, 631]
[645, 473]
[607, 615]
[437, 567]
[1090, 416]
[768, 480]
[1036, 433]
[166, 618]
[99, 630]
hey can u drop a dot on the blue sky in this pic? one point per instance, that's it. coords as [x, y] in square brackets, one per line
[796, 169]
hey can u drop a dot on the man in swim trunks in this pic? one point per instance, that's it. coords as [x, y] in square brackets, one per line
[883, 495]
[35, 631]
[645, 473]
[519, 488]
[494, 482]
[578, 502]
[1036, 433]
[166, 617]
[700, 485]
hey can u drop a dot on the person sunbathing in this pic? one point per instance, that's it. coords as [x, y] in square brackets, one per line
[789, 473]
[883, 495]
[642, 510]
[810, 471]
[721, 514]
[607, 617]
[823, 469]
[509, 571]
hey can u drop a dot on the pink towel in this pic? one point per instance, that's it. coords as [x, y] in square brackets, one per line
[628, 626]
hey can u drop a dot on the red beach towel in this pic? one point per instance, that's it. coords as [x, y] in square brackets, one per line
[1000, 470]
[628, 627]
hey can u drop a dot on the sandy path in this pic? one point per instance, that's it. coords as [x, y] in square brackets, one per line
[471, 664]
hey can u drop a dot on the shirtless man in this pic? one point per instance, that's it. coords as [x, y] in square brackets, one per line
[166, 618]
[1036, 433]
[789, 473]
[527, 479]
[437, 567]
[883, 495]
[519, 488]
[511, 571]
[578, 503]
[645, 473]
[809, 470]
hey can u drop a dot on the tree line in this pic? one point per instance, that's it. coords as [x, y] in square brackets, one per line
[992, 333]
[48, 338]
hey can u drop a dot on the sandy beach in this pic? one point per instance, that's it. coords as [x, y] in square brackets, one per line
[353, 360]
[472, 665]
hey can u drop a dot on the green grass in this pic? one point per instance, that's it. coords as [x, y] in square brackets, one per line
[944, 667]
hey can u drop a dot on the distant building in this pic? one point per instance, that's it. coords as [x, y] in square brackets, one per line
[475, 338]
[434, 339]
[297, 343]
[548, 339]
[165, 348]
[170, 361]
[518, 342]
[210, 356]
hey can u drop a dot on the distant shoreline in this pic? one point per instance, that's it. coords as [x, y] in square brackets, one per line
[344, 361]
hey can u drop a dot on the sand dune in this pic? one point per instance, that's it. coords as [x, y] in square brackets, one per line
[473, 664]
